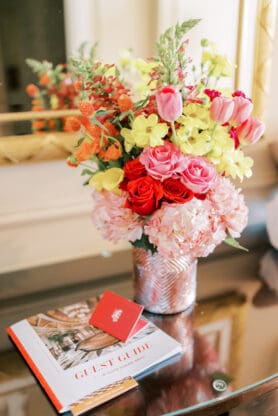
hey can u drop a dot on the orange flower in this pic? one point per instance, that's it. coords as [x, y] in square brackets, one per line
[87, 149]
[71, 161]
[113, 152]
[111, 129]
[36, 101]
[37, 108]
[124, 103]
[44, 79]
[38, 124]
[72, 124]
[78, 85]
[94, 130]
[86, 108]
[32, 90]
[52, 124]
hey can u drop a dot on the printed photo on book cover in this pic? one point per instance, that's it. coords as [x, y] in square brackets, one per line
[71, 339]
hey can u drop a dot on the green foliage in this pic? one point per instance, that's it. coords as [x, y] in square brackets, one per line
[39, 67]
[92, 50]
[170, 53]
[232, 242]
[145, 244]
[87, 172]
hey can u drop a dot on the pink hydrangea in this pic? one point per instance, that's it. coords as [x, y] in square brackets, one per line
[113, 220]
[229, 205]
[185, 229]
[162, 162]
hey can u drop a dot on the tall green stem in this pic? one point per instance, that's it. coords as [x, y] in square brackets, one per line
[174, 131]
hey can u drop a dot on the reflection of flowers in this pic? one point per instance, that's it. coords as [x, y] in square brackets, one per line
[55, 91]
[185, 382]
[187, 389]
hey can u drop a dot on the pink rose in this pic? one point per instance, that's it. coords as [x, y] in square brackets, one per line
[162, 162]
[251, 130]
[221, 109]
[242, 109]
[169, 103]
[199, 175]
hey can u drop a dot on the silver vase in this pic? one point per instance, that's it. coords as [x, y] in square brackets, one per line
[164, 286]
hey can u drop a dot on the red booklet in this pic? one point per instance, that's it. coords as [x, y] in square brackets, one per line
[117, 316]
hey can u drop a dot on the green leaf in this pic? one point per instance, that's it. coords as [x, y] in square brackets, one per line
[124, 115]
[140, 104]
[145, 244]
[87, 172]
[234, 243]
[103, 112]
[80, 141]
[114, 164]
[81, 49]
[93, 49]
[98, 123]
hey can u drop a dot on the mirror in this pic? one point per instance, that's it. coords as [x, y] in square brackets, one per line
[55, 30]
[33, 31]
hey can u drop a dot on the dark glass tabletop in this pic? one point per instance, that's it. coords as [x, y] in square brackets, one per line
[229, 342]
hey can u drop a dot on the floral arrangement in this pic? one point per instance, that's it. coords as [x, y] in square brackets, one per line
[159, 144]
[55, 91]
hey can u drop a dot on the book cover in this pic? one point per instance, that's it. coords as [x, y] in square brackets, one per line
[76, 362]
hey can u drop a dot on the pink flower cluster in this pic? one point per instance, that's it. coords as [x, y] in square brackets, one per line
[197, 227]
[237, 111]
[229, 206]
[113, 220]
[167, 161]
[194, 228]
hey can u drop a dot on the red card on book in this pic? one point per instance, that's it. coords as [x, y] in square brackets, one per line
[117, 315]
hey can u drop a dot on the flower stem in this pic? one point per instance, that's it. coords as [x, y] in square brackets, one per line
[213, 130]
[174, 131]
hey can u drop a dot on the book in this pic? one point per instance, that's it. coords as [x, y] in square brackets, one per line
[78, 365]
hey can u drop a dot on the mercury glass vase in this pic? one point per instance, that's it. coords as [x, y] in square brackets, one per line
[164, 286]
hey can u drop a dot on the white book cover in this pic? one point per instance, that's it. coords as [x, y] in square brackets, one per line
[72, 359]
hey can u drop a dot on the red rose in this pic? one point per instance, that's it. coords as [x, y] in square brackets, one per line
[175, 191]
[144, 195]
[134, 169]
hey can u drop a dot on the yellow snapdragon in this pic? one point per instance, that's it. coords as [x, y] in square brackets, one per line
[108, 180]
[235, 164]
[145, 131]
[137, 74]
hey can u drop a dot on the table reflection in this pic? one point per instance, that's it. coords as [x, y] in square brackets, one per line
[218, 351]
[194, 377]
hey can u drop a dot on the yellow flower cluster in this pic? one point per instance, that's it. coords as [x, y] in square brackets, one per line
[217, 65]
[145, 131]
[198, 135]
[136, 72]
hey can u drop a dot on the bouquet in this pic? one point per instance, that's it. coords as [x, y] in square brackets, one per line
[160, 143]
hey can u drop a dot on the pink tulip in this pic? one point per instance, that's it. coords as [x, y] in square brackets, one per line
[221, 109]
[169, 103]
[242, 109]
[251, 130]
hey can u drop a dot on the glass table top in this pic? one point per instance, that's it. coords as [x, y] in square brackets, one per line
[229, 345]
